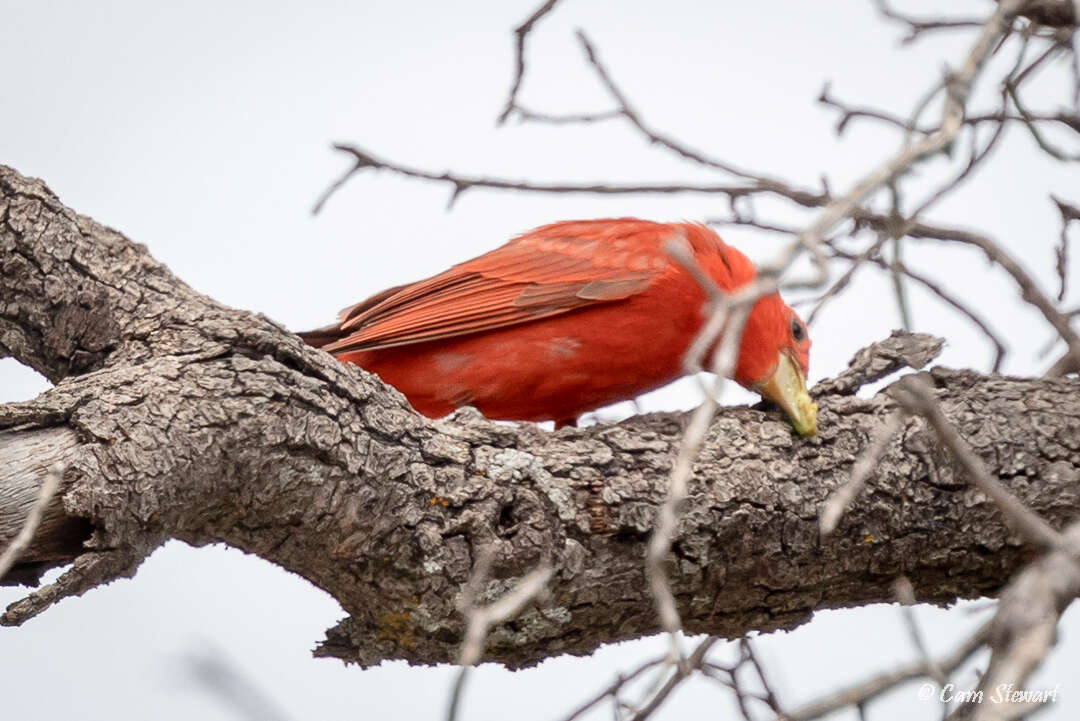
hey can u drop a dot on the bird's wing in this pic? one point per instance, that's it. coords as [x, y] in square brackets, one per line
[534, 276]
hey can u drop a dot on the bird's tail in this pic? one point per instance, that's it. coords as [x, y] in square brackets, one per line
[323, 336]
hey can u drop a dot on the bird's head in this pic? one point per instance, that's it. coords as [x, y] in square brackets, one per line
[774, 360]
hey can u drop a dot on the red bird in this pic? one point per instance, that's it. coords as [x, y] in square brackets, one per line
[564, 319]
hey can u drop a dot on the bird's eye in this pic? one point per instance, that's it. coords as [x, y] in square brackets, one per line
[798, 331]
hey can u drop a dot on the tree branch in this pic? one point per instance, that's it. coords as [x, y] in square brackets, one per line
[206, 424]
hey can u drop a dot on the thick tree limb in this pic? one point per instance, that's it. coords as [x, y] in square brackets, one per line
[176, 417]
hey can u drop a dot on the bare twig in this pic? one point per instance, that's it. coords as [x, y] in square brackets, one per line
[480, 619]
[461, 183]
[614, 687]
[1049, 13]
[999, 347]
[1013, 91]
[731, 322]
[905, 594]
[679, 249]
[866, 691]
[1069, 120]
[728, 314]
[1069, 213]
[528, 115]
[1029, 289]
[958, 87]
[842, 497]
[897, 277]
[842, 282]
[680, 674]
[1024, 628]
[740, 220]
[759, 668]
[730, 677]
[654, 137]
[914, 392]
[976, 157]
[19, 544]
[919, 27]
[923, 103]
[521, 33]
[759, 183]
[849, 112]
[1063, 366]
[1074, 68]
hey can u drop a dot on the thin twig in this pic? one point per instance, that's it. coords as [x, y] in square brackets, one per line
[905, 594]
[842, 497]
[667, 516]
[480, 619]
[760, 183]
[759, 668]
[849, 113]
[679, 249]
[654, 137]
[681, 673]
[528, 115]
[1069, 213]
[958, 88]
[976, 157]
[521, 33]
[861, 693]
[461, 183]
[915, 394]
[1024, 629]
[1029, 289]
[1012, 89]
[614, 687]
[1000, 349]
[999, 346]
[727, 316]
[897, 277]
[22, 540]
[855, 262]
[916, 28]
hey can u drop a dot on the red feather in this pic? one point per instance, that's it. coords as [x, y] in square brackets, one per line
[558, 321]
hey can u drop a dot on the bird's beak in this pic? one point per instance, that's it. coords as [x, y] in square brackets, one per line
[787, 388]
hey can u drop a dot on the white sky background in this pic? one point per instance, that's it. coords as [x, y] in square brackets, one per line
[203, 131]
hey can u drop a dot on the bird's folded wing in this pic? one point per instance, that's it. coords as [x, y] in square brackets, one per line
[527, 279]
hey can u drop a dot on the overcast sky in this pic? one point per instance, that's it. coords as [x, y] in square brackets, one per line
[203, 130]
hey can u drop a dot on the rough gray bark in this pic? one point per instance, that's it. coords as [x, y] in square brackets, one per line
[179, 418]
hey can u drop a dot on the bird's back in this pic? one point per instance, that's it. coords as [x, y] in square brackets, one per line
[558, 321]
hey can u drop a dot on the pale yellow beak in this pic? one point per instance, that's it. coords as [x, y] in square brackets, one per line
[786, 387]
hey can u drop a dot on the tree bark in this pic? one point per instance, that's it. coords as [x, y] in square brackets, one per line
[176, 417]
